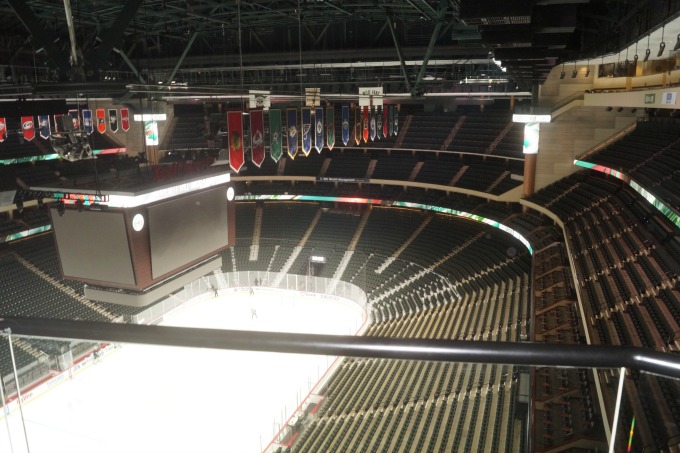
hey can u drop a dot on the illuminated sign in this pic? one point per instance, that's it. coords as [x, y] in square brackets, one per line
[150, 117]
[519, 118]
[531, 134]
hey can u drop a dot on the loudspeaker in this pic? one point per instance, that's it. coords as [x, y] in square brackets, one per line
[64, 123]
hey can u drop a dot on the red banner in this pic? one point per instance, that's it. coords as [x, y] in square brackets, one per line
[257, 137]
[125, 119]
[385, 121]
[101, 121]
[27, 127]
[364, 123]
[235, 128]
[3, 129]
[57, 120]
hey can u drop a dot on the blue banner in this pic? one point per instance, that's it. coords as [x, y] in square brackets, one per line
[318, 129]
[306, 130]
[345, 124]
[292, 132]
[44, 126]
[87, 121]
[396, 120]
[372, 125]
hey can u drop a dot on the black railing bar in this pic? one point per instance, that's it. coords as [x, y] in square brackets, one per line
[507, 353]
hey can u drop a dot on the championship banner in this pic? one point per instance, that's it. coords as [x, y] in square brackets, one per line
[365, 123]
[75, 118]
[275, 143]
[306, 130]
[378, 123]
[44, 126]
[357, 126]
[3, 129]
[101, 121]
[330, 127]
[56, 123]
[385, 121]
[372, 125]
[396, 120]
[113, 120]
[125, 119]
[345, 124]
[292, 132]
[235, 128]
[27, 127]
[87, 121]
[257, 137]
[318, 129]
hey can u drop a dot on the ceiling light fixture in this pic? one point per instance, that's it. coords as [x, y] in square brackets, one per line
[662, 45]
[562, 74]
[647, 52]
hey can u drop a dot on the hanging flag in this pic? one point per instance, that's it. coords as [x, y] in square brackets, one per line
[27, 127]
[385, 121]
[57, 120]
[292, 132]
[75, 118]
[257, 137]
[235, 128]
[391, 120]
[275, 143]
[101, 121]
[330, 127]
[365, 124]
[3, 129]
[378, 123]
[396, 120]
[306, 130]
[87, 121]
[357, 126]
[113, 120]
[318, 129]
[44, 126]
[372, 125]
[345, 124]
[125, 119]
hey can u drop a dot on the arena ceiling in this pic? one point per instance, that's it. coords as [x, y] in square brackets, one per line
[120, 48]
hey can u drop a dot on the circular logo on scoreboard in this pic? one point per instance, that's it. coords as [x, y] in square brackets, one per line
[138, 222]
[230, 193]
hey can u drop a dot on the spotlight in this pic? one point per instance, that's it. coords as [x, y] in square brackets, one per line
[647, 52]
[677, 43]
[619, 109]
[588, 71]
[609, 109]
[662, 46]
[574, 73]
[562, 74]
[635, 60]
[633, 110]
[61, 208]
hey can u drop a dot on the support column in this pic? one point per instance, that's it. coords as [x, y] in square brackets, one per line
[529, 176]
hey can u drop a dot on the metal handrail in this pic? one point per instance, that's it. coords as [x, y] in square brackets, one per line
[531, 354]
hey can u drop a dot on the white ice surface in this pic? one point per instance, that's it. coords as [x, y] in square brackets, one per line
[161, 399]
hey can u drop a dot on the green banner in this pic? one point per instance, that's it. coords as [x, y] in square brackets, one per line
[275, 143]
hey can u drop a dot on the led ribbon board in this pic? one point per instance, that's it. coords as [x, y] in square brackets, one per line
[401, 204]
[662, 207]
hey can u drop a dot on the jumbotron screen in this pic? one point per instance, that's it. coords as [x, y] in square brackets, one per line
[93, 245]
[182, 230]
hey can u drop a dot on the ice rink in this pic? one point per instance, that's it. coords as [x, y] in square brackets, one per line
[160, 399]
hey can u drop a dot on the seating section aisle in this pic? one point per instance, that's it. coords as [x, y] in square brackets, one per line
[391, 405]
